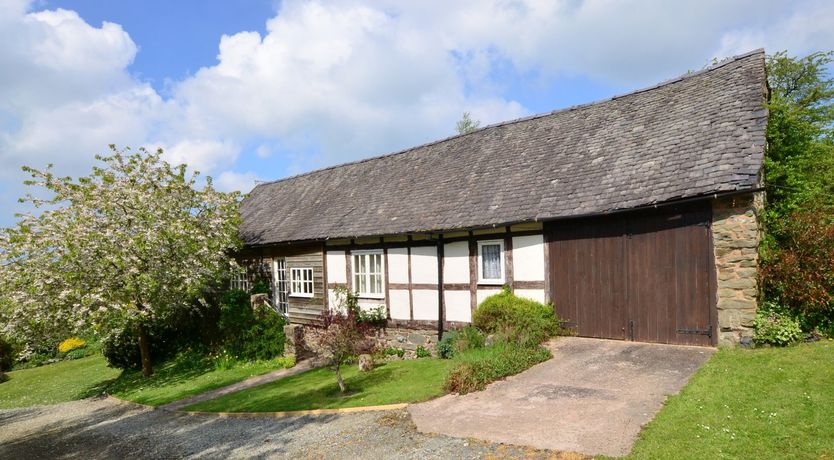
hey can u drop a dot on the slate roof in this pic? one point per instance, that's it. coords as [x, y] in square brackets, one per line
[699, 134]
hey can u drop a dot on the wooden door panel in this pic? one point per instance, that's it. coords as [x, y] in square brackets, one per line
[644, 276]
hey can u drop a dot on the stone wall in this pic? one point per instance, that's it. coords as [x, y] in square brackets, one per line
[408, 339]
[736, 235]
[301, 344]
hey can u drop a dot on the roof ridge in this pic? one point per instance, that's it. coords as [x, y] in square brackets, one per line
[686, 76]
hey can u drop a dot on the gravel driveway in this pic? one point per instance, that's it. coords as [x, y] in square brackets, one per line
[104, 428]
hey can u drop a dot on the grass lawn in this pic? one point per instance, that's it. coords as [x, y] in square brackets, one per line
[764, 403]
[54, 383]
[390, 383]
[183, 377]
[82, 378]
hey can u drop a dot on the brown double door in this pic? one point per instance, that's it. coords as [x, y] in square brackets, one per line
[642, 276]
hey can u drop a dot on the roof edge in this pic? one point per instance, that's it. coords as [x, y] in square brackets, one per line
[668, 82]
[611, 212]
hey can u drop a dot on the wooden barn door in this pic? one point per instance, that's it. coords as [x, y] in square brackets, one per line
[643, 276]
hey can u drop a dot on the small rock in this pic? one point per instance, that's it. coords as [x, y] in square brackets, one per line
[366, 363]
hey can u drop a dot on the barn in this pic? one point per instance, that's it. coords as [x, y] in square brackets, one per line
[636, 217]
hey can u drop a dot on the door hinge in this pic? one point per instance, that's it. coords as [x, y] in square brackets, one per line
[707, 332]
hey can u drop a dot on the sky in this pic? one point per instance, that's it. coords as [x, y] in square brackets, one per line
[257, 90]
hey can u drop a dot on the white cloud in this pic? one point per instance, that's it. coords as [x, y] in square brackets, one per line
[202, 155]
[229, 181]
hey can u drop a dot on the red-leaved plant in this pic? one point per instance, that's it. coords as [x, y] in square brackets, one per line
[800, 273]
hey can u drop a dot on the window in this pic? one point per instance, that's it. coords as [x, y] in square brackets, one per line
[280, 286]
[491, 262]
[301, 282]
[368, 274]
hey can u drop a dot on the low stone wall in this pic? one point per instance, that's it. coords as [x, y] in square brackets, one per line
[736, 236]
[408, 339]
[299, 339]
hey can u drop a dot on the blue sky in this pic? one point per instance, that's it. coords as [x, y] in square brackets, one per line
[260, 89]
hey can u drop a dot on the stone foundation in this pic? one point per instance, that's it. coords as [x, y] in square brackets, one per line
[299, 340]
[736, 236]
[408, 339]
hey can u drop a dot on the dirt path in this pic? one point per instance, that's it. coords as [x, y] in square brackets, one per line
[104, 428]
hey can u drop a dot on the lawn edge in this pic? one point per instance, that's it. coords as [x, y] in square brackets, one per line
[298, 413]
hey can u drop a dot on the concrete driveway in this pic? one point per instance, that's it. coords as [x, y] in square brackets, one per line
[592, 397]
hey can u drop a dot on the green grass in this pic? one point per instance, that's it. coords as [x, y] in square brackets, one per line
[395, 382]
[185, 376]
[766, 403]
[54, 383]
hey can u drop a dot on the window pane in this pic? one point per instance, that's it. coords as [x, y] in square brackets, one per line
[491, 261]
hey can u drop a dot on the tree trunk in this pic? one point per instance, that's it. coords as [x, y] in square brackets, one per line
[342, 386]
[145, 350]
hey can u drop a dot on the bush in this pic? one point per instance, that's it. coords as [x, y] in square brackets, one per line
[775, 326]
[516, 319]
[799, 273]
[476, 368]
[8, 351]
[460, 340]
[247, 333]
[71, 344]
[445, 348]
[375, 317]
[422, 352]
[399, 352]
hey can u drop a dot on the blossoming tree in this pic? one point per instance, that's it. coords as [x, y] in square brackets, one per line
[135, 240]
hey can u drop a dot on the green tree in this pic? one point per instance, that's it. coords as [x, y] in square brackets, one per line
[799, 167]
[137, 240]
[799, 176]
[466, 124]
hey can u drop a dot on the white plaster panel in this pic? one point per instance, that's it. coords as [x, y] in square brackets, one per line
[484, 293]
[528, 258]
[457, 306]
[336, 269]
[425, 304]
[398, 265]
[533, 294]
[400, 309]
[369, 304]
[456, 262]
[424, 265]
[332, 299]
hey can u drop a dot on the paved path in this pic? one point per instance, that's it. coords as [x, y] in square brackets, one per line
[248, 383]
[592, 397]
[107, 429]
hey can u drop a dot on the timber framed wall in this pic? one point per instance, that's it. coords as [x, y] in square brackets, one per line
[411, 272]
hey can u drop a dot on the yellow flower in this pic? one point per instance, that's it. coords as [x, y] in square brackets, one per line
[70, 344]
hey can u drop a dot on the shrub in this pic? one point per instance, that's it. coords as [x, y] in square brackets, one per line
[775, 326]
[516, 319]
[478, 367]
[340, 338]
[375, 317]
[422, 352]
[71, 344]
[8, 352]
[399, 352]
[799, 273]
[247, 333]
[445, 348]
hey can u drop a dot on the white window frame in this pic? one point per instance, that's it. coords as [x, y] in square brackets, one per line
[365, 252]
[303, 282]
[481, 279]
